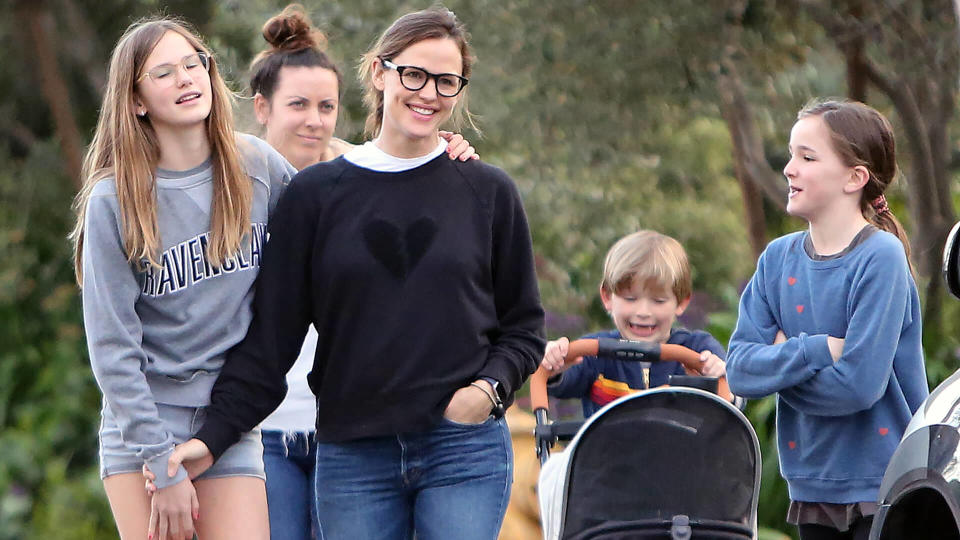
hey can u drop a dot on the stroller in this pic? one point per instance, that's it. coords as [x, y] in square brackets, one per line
[671, 462]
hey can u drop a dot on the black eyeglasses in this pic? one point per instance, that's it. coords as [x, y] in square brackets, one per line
[414, 78]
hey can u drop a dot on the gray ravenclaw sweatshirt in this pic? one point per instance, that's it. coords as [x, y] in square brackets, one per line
[160, 335]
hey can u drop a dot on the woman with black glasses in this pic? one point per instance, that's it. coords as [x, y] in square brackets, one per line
[417, 272]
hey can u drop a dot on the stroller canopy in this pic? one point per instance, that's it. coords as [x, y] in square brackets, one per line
[668, 452]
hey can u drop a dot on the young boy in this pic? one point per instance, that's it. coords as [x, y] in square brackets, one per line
[646, 286]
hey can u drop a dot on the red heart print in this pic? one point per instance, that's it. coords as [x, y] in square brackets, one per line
[883, 431]
[792, 445]
[800, 308]
[791, 280]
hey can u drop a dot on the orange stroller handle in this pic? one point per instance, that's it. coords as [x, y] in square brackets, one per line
[628, 350]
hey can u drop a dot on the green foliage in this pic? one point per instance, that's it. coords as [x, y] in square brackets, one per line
[942, 343]
[773, 489]
[580, 207]
[48, 399]
[605, 113]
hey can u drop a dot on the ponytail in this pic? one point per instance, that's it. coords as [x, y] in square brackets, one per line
[879, 215]
[863, 136]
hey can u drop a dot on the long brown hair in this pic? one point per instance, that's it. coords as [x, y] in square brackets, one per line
[862, 136]
[125, 147]
[293, 42]
[433, 23]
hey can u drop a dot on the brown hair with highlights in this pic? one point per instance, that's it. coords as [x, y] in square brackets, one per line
[125, 147]
[433, 23]
[861, 136]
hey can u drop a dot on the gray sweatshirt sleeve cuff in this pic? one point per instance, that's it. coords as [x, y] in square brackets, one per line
[158, 466]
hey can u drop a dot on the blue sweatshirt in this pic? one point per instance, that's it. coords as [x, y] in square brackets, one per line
[838, 423]
[598, 381]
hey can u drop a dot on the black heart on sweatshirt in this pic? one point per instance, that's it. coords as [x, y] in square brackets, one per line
[399, 251]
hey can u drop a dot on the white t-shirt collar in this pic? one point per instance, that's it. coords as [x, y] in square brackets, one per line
[370, 157]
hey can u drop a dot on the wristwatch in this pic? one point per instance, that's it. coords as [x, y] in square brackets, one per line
[498, 402]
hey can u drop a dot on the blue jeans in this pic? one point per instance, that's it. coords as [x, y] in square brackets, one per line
[450, 482]
[289, 463]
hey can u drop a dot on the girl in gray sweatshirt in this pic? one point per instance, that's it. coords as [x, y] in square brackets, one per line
[171, 226]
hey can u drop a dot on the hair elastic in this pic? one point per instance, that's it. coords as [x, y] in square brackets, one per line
[880, 204]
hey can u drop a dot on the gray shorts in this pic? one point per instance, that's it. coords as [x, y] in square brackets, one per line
[245, 458]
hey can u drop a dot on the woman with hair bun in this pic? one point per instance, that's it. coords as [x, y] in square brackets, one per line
[296, 90]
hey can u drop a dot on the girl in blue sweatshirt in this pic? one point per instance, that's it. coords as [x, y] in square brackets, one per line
[830, 322]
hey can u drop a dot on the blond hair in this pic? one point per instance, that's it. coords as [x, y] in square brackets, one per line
[433, 23]
[650, 260]
[125, 147]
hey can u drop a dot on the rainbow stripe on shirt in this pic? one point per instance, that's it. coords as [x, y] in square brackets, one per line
[605, 390]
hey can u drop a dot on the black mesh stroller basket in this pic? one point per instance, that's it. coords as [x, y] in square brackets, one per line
[660, 460]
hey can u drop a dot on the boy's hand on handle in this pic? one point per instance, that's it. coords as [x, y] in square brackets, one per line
[173, 510]
[713, 366]
[458, 147]
[470, 405]
[554, 355]
[836, 347]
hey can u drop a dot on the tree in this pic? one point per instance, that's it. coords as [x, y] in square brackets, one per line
[914, 61]
[36, 19]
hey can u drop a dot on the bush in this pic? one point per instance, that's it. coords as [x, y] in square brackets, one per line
[49, 402]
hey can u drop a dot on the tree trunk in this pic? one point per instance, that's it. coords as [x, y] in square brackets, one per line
[921, 189]
[856, 75]
[754, 174]
[83, 48]
[36, 18]
[750, 165]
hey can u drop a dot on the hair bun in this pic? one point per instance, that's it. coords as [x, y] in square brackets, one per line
[291, 30]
